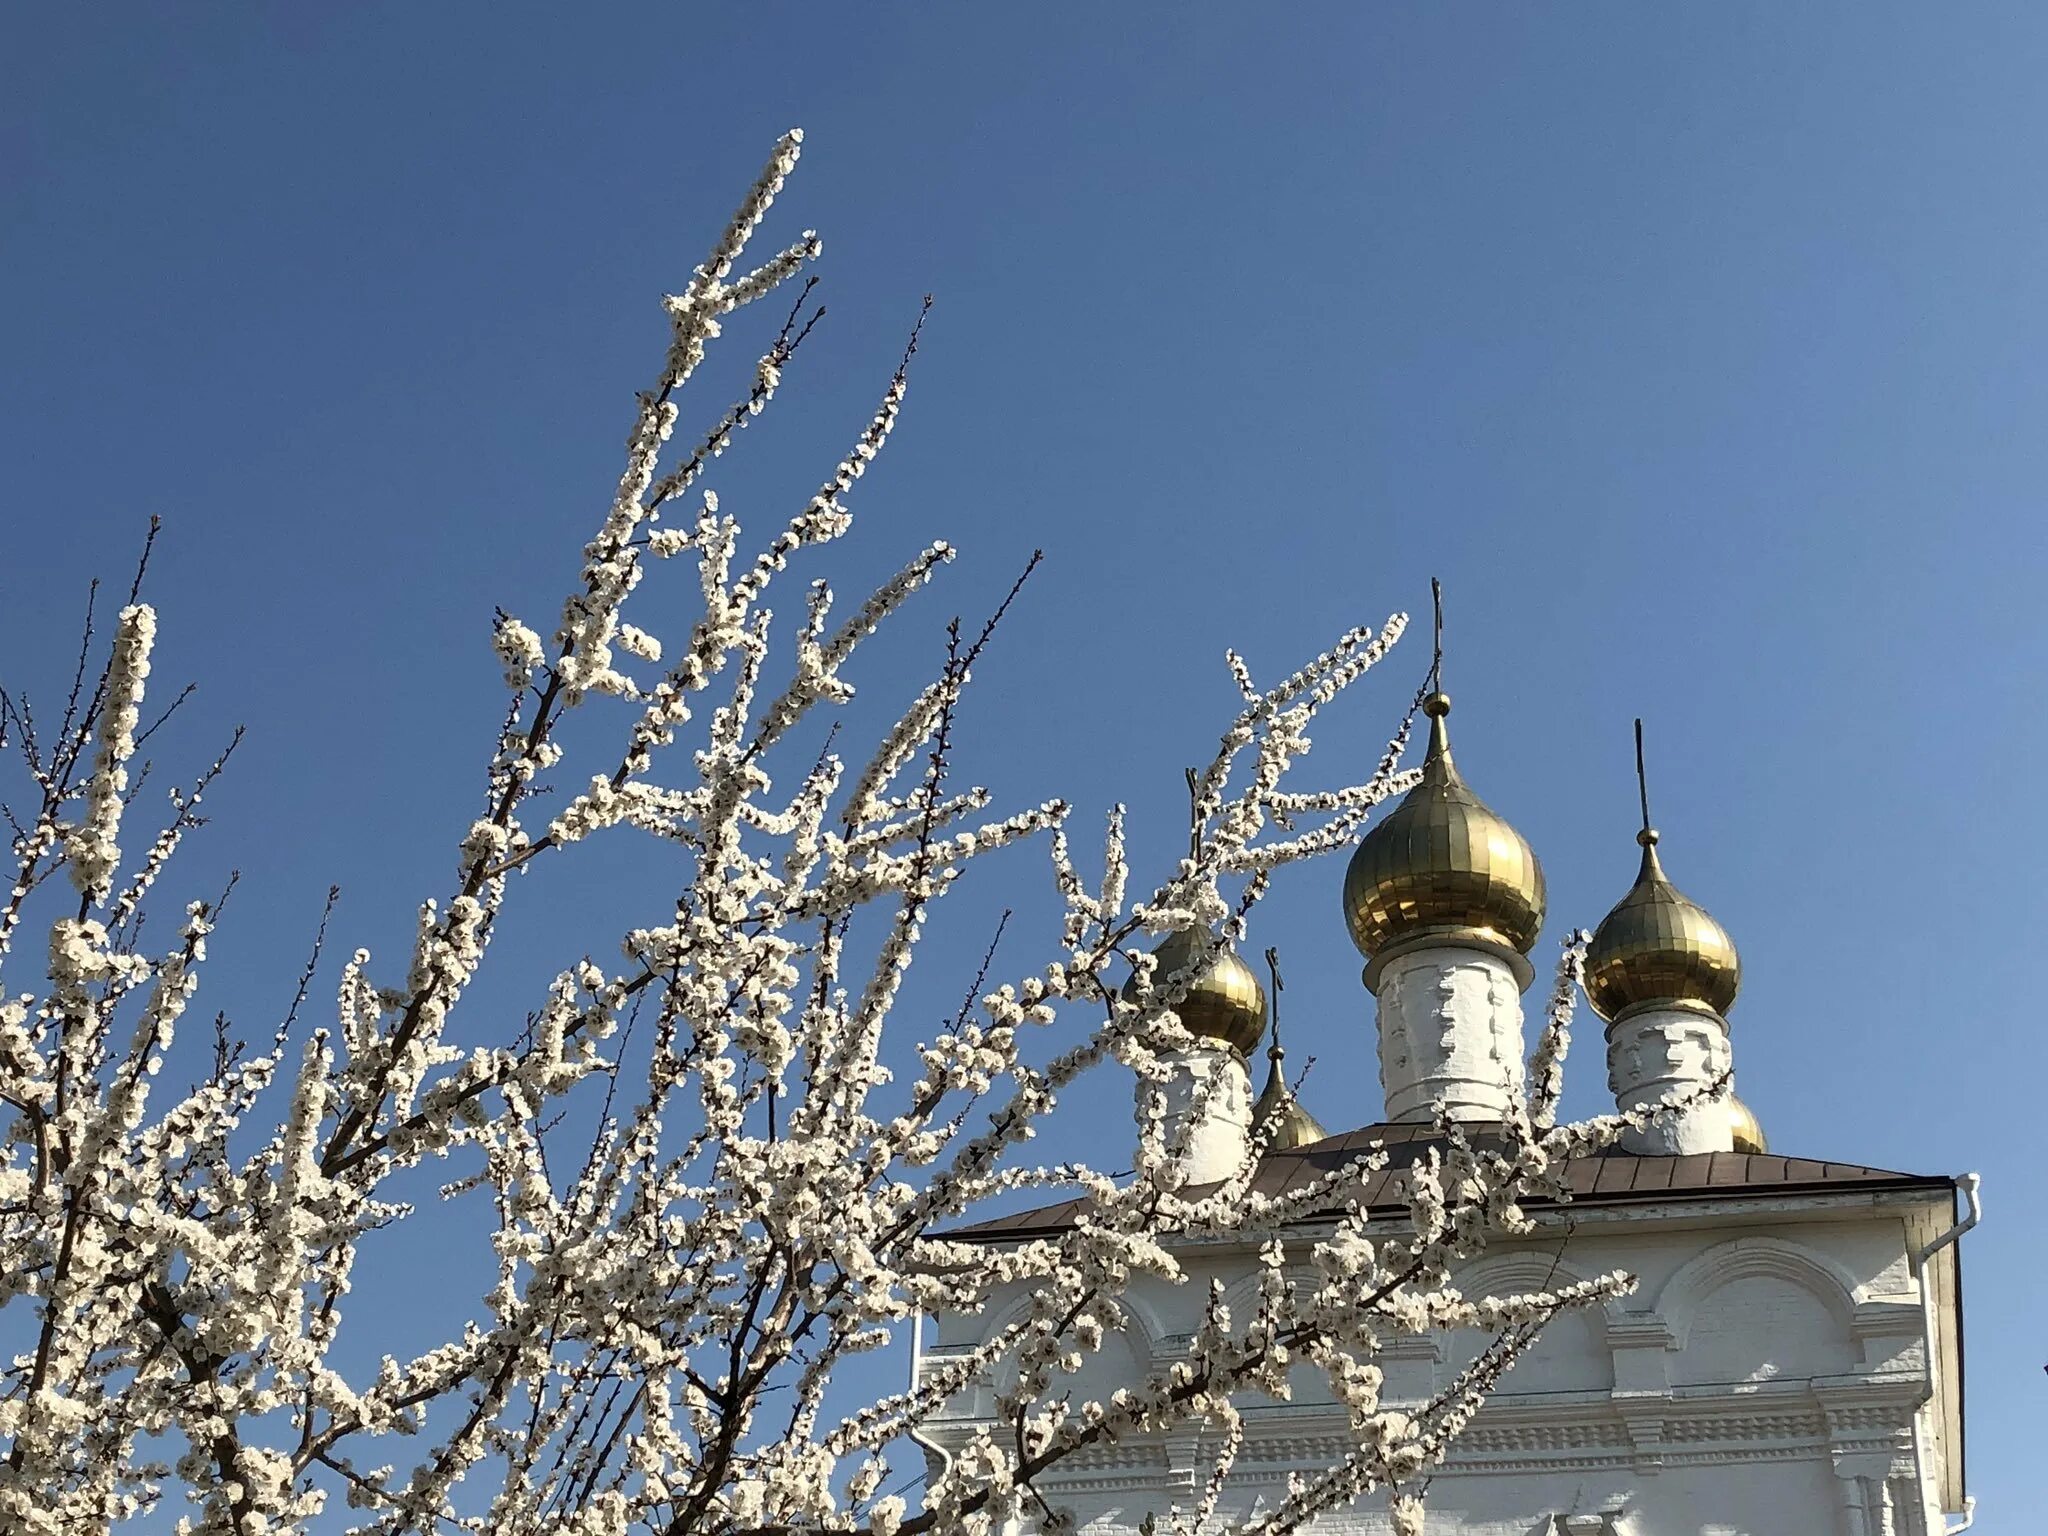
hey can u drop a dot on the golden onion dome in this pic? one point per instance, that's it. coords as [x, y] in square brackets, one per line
[1442, 863]
[1225, 1003]
[1658, 947]
[1291, 1125]
[1749, 1135]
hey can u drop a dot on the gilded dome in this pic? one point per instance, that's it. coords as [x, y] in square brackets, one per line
[1441, 862]
[1658, 947]
[1226, 1002]
[1749, 1135]
[1292, 1125]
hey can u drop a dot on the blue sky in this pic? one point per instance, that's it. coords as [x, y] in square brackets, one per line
[1698, 350]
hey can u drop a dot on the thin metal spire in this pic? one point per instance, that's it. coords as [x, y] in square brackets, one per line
[1648, 836]
[1434, 701]
[1278, 1114]
[1642, 779]
[1274, 1050]
[1436, 653]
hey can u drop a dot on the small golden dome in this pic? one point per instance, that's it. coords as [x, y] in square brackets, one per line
[1226, 1002]
[1442, 863]
[1749, 1135]
[1292, 1125]
[1658, 947]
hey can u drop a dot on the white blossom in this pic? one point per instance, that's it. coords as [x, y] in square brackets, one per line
[701, 1186]
[94, 850]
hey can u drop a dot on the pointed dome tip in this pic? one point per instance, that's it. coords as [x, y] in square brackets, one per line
[1436, 758]
[1283, 1118]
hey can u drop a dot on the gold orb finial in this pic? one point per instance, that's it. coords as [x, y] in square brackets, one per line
[1225, 1004]
[1442, 863]
[1657, 946]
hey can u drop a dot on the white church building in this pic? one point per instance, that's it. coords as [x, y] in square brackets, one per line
[1791, 1362]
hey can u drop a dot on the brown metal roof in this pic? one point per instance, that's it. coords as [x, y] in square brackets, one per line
[1610, 1177]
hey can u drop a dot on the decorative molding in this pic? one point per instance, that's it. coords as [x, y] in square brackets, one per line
[1139, 1338]
[1665, 1053]
[1638, 1330]
[1414, 1346]
[1482, 1439]
[1569, 1438]
[1450, 1028]
[1870, 1400]
[1186, 1465]
[1749, 1428]
[1642, 1416]
[1742, 1258]
[1505, 1271]
[1151, 1324]
[1888, 1314]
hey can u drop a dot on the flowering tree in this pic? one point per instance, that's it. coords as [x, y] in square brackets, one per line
[757, 1202]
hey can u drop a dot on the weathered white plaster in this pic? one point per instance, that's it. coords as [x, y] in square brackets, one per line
[1208, 1109]
[1450, 1028]
[1660, 1055]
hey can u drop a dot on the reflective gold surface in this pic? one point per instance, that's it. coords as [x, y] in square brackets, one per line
[1292, 1125]
[1658, 947]
[1442, 862]
[1749, 1136]
[1226, 1002]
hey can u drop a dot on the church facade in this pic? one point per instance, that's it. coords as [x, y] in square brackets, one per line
[1791, 1361]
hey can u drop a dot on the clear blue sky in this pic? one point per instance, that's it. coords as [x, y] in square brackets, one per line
[1698, 349]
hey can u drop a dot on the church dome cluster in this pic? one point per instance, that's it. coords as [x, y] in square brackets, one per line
[1443, 865]
[1445, 900]
[1443, 871]
[1444, 875]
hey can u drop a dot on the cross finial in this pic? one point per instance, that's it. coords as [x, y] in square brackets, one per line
[1436, 652]
[1274, 1051]
[1649, 834]
[1194, 820]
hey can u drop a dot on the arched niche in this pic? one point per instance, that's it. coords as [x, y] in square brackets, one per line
[1123, 1360]
[1569, 1355]
[1759, 1309]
